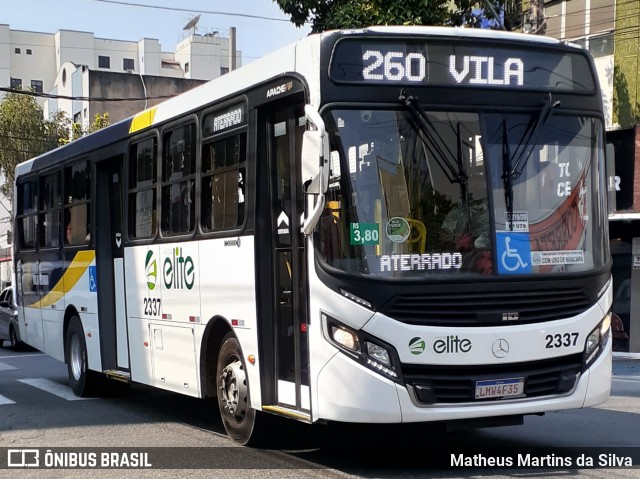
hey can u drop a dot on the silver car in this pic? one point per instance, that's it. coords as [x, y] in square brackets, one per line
[9, 319]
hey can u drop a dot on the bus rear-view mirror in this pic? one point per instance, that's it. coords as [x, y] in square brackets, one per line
[311, 152]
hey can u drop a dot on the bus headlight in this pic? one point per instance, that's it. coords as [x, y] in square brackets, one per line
[367, 350]
[345, 338]
[377, 352]
[596, 340]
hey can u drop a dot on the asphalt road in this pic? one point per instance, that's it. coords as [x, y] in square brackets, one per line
[38, 410]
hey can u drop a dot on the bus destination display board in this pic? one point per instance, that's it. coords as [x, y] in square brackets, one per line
[221, 121]
[445, 64]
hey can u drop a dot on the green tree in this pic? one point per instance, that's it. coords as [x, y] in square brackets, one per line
[77, 131]
[99, 122]
[25, 134]
[332, 14]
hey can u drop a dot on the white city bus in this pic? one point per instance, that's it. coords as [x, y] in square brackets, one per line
[387, 225]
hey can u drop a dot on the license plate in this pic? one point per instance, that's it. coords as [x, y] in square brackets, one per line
[499, 388]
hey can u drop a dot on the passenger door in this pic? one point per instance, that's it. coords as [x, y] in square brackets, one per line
[110, 264]
[283, 290]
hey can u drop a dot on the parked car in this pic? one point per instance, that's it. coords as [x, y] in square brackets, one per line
[9, 319]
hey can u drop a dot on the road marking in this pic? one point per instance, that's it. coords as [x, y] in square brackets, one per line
[53, 387]
[6, 367]
[18, 356]
[5, 400]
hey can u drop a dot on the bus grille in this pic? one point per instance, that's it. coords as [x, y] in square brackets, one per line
[487, 308]
[456, 384]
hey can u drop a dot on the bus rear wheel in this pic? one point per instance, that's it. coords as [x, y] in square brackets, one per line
[238, 418]
[82, 381]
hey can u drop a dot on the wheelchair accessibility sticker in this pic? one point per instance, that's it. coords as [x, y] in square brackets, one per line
[514, 253]
[93, 279]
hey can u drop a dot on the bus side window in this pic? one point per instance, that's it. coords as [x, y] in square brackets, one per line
[27, 219]
[223, 183]
[178, 180]
[142, 188]
[77, 180]
[50, 200]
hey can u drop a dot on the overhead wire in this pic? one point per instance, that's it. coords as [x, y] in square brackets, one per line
[192, 10]
[179, 9]
[82, 98]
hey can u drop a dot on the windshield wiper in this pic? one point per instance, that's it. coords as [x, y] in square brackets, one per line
[443, 157]
[522, 155]
[513, 167]
[507, 175]
[451, 165]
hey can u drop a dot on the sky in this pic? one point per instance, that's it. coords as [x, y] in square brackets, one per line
[123, 20]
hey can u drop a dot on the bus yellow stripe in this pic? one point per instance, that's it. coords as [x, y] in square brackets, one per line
[71, 276]
[301, 416]
[142, 120]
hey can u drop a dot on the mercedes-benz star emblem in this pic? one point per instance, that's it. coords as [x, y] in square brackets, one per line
[500, 348]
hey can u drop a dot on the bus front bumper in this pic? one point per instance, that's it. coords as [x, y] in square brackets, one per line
[349, 392]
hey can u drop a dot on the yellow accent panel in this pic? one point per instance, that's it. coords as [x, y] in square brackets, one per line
[287, 412]
[74, 272]
[142, 120]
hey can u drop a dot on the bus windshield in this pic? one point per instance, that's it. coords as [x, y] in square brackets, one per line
[459, 192]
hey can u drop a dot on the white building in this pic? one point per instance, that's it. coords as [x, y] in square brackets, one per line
[589, 23]
[36, 60]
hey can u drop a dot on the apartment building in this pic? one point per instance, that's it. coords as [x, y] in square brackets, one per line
[59, 62]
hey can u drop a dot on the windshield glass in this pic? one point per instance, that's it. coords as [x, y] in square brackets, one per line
[449, 193]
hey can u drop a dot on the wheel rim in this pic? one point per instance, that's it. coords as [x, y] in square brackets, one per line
[233, 385]
[75, 358]
[13, 338]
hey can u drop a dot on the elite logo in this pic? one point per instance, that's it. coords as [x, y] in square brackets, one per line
[178, 270]
[151, 269]
[452, 344]
[417, 346]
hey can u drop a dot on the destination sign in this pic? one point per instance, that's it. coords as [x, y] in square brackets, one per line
[447, 63]
[224, 120]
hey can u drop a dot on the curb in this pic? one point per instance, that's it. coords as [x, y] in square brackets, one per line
[619, 355]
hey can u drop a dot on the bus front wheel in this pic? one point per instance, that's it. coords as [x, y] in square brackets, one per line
[82, 381]
[238, 418]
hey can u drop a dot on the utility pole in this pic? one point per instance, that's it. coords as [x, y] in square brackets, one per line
[232, 49]
[536, 24]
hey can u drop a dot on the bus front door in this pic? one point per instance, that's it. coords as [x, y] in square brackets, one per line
[284, 316]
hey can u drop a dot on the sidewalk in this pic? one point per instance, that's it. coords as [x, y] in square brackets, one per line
[620, 355]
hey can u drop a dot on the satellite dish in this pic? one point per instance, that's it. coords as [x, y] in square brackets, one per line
[192, 23]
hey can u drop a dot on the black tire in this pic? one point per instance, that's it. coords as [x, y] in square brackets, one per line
[83, 382]
[16, 345]
[239, 419]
